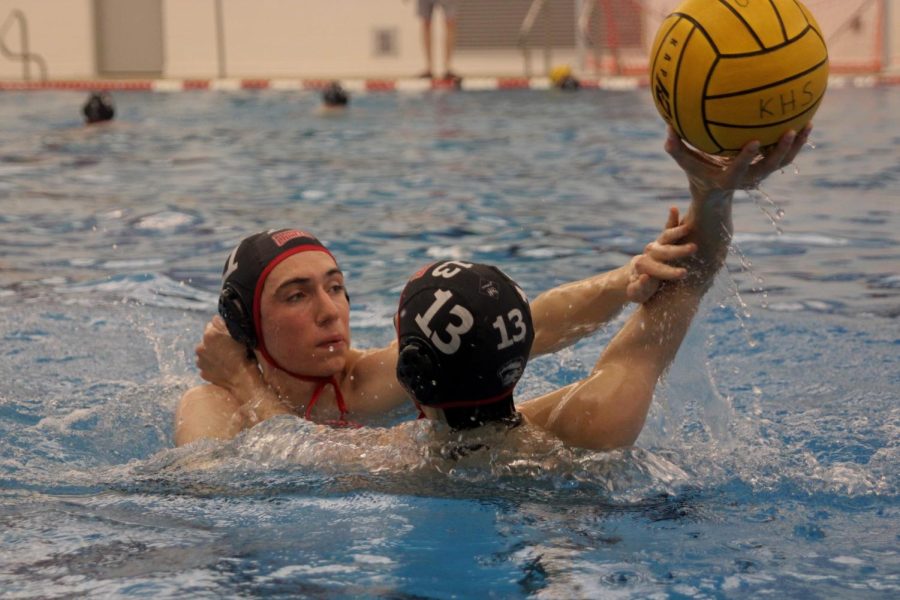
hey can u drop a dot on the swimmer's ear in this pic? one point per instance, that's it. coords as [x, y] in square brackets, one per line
[418, 371]
[237, 317]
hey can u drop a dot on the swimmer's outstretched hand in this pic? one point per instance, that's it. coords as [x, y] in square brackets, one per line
[219, 356]
[651, 268]
[708, 174]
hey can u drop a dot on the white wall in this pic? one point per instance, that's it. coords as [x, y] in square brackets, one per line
[291, 38]
[893, 32]
[300, 39]
[189, 39]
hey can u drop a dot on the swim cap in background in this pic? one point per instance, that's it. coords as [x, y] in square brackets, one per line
[465, 333]
[245, 274]
[334, 95]
[562, 78]
[99, 107]
[559, 73]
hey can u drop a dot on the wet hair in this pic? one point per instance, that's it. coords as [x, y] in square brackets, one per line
[98, 108]
[464, 332]
[245, 273]
[334, 95]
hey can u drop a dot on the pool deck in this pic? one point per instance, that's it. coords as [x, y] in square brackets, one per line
[378, 85]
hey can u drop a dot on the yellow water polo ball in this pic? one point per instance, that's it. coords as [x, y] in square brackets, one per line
[724, 72]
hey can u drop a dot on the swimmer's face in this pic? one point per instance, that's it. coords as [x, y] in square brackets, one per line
[305, 315]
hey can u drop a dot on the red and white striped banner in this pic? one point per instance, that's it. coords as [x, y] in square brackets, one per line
[374, 85]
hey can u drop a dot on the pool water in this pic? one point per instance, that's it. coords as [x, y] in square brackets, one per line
[768, 465]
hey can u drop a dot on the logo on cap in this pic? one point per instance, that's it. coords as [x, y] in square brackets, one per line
[231, 266]
[283, 237]
[488, 288]
[511, 372]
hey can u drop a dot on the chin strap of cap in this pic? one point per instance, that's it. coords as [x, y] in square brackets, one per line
[338, 395]
[320, 382]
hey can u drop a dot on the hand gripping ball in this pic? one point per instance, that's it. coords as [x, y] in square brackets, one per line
[724, 72]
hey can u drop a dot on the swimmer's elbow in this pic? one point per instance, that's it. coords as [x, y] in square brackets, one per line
[606, 436]
[609, 418]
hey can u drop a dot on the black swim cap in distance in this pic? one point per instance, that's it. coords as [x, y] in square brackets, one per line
[99, 107]
[334, 95]
[465, 334]
[245, 274]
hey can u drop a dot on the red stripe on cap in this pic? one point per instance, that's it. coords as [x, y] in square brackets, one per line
[471, 403]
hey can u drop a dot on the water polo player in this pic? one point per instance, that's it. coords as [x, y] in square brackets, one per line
[285, 372]
[607, 409]
[98, 108]
[465, 334]
[464, 330]
[284, 305]
[334, 96]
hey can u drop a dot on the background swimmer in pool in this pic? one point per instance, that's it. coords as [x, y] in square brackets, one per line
[335, 100]
[302, 303]
[461, 364]
[241, 394]
[98, 108]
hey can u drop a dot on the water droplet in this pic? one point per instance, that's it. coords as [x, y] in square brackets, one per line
[742, 312]
[769, 208]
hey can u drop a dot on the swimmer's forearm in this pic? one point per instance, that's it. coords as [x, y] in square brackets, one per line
[572, 311]
[263, 406]
[258, 401]
[711, 230]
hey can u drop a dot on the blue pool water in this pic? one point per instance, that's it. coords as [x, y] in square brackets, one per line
[769, 463]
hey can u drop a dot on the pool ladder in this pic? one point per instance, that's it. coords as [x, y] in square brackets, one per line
[17, 16]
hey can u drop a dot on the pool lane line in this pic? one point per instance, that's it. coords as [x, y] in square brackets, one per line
[378, 85]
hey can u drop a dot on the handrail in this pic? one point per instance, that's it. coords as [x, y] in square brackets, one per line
[220, 38]
[525, 31]
[25, 56]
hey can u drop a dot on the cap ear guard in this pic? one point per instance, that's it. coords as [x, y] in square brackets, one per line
[236, 316]
[418, 371]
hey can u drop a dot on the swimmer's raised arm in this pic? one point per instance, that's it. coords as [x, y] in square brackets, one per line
[608, 408]
[235, 398]
[372, 385]
[565, 314]
[225, 363]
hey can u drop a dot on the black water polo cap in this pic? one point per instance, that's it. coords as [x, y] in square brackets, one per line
[98, 107]
[334, 95]
[245, 273]
[465, 334]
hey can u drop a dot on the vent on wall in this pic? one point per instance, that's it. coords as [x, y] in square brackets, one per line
[385, 42]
